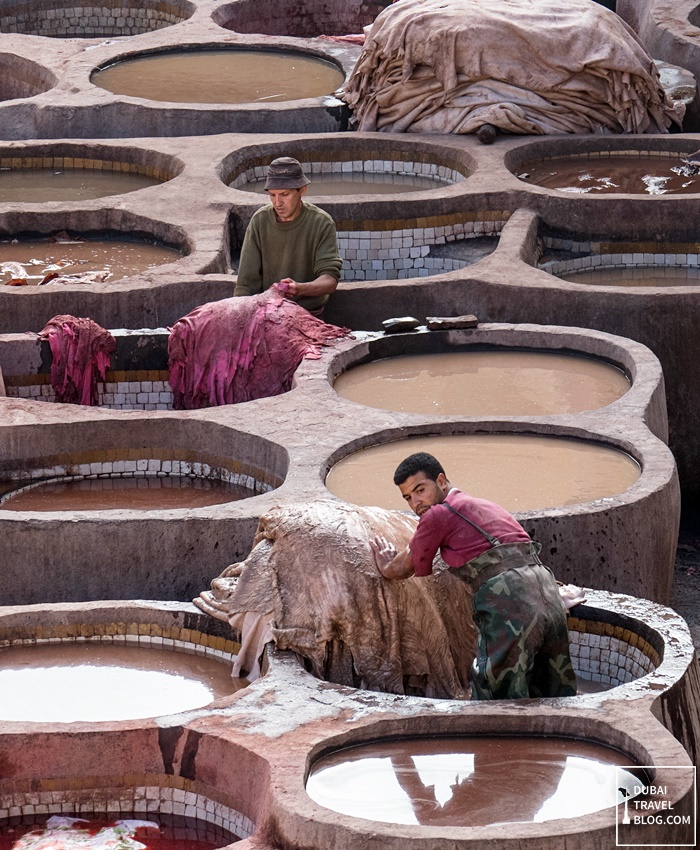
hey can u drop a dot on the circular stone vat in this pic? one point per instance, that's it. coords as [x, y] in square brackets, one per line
[602, 173]
[39, 185]
[139, 491]
[473, 781]
[221, 76]
[592, 262]
[62, 173]
[361, 178]
[183, 476]
[484, 383]
[21, 78]
[64, 258]
[92, 664]
[303, 20]
[349, 165]
[56, 20]
[160, 553]
[521, 472]
[94, 681]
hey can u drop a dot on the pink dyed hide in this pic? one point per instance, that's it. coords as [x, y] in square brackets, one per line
[240, 349]
[81, 352]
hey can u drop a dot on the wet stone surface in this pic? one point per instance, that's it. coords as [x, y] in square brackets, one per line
[686, 584]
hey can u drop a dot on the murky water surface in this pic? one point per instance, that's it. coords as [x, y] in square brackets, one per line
[640, 276]
[484, 383]
[603, 175]
[63, 260]
[520, 472]
[358, 183]
[472, 781]
[39, 185]
[96, 681]
[221, 76]
[147, 493]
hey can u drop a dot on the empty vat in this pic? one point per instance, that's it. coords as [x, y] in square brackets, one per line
[55, 20]
[221, 76]
[20, 77]
[521, 472]
[304, 20]
[391, 249]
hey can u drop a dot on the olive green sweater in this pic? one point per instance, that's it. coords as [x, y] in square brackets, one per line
[301, 249]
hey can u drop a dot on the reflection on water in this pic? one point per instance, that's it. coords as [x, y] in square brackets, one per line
[95, 681]
[472, 781]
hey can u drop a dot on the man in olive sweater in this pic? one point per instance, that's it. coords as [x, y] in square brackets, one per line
[290, 240]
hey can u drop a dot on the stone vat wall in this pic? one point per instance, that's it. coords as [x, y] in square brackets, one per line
[106, 18]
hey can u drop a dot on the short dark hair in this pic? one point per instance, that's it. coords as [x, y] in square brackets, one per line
[415, 463]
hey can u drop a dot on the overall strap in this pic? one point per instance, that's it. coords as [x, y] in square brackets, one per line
[494, 541]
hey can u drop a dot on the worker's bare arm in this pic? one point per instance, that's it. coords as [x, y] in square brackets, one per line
[323, 285]
[391, 563]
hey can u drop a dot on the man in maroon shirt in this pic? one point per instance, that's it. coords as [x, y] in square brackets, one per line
[522, 638]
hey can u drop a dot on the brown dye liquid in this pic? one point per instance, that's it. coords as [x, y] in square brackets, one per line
[148, 493]
[519, 472]
[93, 261]
[221, 76]
[357, 183]
[471, 781]
[95, 681]
[601, 175]
[639, 276]
[484, 383]
[39, 185]
[168, 832]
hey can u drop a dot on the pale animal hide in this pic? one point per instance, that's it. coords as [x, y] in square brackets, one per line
[312, 581]
[525, 66]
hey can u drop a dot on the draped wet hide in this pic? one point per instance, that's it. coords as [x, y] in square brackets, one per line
[524, 66]
[310, 584]
[239, 349]
[81, 352]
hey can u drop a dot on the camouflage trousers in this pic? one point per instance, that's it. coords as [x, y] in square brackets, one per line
[522, 638]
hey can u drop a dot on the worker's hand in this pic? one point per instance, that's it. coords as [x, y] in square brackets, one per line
[383, 551]
[292, 288]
